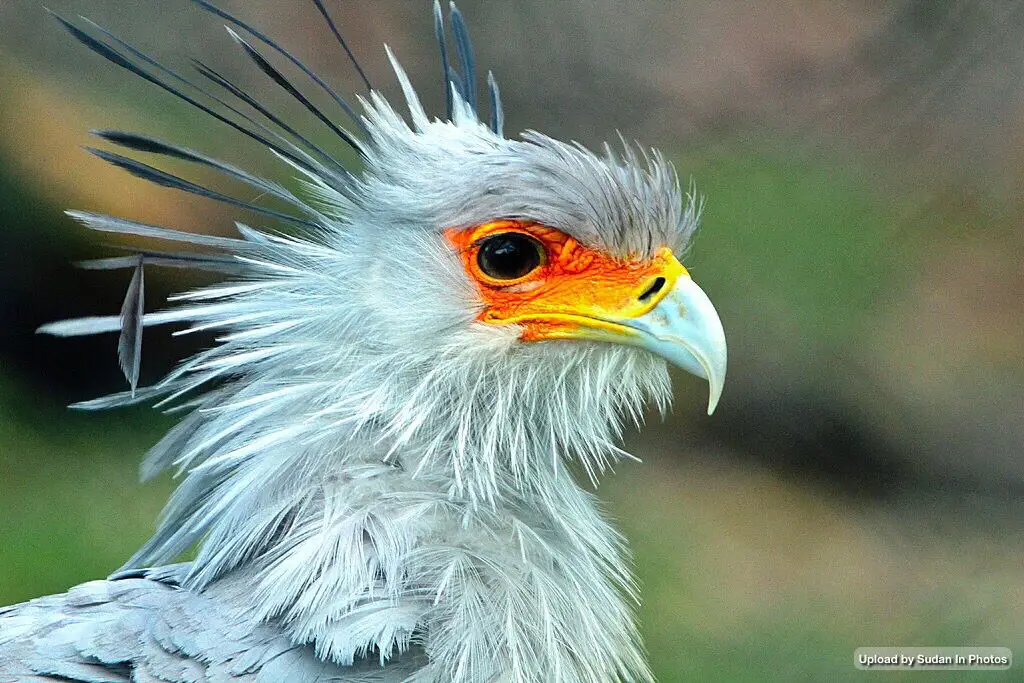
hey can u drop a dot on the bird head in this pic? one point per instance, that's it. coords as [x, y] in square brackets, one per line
[535, 281]
[534, 239]
[463, 295]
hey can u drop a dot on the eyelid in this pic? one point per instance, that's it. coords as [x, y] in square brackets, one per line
[522, 286]
[505, 230]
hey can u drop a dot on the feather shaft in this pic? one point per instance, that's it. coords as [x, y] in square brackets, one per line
[343, 43]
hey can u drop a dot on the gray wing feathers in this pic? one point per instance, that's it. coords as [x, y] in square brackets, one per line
[147, 630]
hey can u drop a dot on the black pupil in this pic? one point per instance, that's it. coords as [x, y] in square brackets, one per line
[508, 256]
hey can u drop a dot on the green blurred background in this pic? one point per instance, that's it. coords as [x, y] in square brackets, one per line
[862, 482]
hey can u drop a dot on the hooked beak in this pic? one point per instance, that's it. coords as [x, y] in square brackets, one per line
[677, 322]
[684, 329]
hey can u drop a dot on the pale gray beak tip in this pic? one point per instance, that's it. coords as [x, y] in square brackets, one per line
[684, 328]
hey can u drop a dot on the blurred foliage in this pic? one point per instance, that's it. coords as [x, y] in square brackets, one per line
[811, 233]
[71, 507]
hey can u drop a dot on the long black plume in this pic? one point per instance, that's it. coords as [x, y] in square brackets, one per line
[129, 344]
[222, 81]
[155, 175]
[289, 56]
[446, 69]
[464, 49]
[147, 144]
[275, 75]
[344, 45]
[112, 55]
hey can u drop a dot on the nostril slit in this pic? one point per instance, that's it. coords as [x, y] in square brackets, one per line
[655, 287]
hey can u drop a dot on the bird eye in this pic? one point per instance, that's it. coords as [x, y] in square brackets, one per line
[509, 255]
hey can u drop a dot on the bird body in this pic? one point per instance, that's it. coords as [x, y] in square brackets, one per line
[377, 457]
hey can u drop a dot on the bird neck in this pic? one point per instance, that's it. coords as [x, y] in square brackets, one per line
[434, 513]
[379, 558]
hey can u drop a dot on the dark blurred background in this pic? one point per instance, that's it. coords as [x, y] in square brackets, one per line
[862, 482]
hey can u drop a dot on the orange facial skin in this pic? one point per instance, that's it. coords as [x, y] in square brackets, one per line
[576, 292]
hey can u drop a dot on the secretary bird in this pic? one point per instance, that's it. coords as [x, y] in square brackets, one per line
[376, 457]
